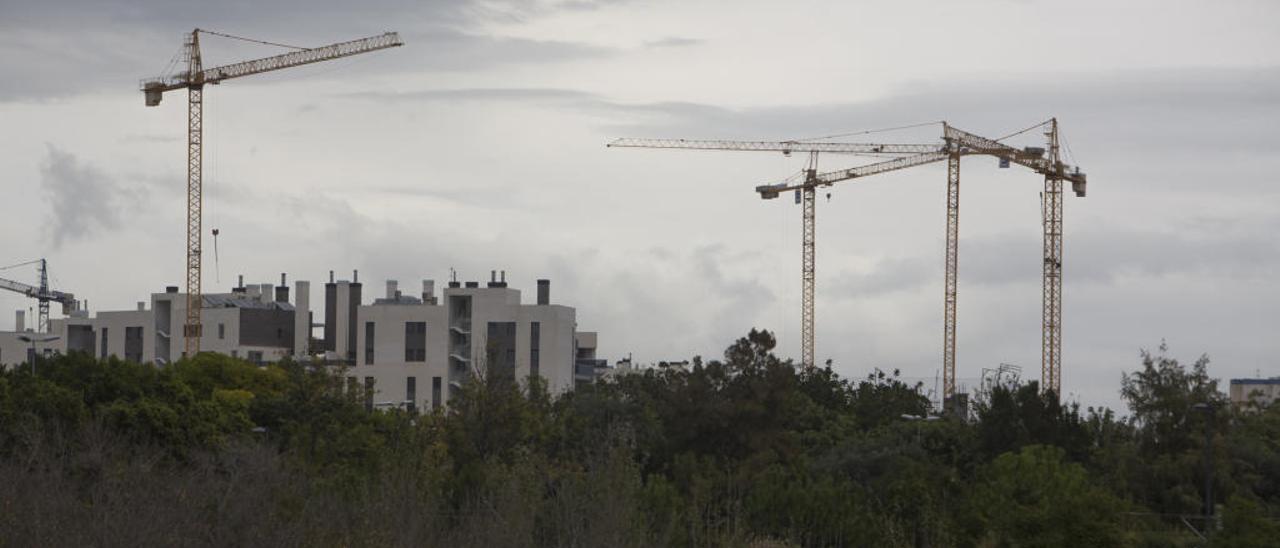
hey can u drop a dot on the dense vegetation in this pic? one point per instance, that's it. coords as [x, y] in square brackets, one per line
[744, 450]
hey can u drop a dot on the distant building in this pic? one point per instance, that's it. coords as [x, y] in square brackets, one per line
[1259, 391]
[411, 351]
[256, 323]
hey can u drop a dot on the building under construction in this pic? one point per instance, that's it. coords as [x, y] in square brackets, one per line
[411, 350]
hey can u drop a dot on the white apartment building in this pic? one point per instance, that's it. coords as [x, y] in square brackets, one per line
[413, 352]
[253, 322]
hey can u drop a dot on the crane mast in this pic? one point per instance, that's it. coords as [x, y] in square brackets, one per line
[194, 80]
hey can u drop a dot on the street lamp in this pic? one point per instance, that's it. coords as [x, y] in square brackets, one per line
[1208, 410]
[918, 419]
[33, 341]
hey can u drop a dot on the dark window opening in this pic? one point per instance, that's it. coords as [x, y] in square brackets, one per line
[415, 341]
[535, 346]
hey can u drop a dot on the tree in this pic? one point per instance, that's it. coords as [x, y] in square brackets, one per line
[1034, 497]
[1162, 398]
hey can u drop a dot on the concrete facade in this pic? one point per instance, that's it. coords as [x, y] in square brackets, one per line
[246, 323]
[413, 351]
[416, 351]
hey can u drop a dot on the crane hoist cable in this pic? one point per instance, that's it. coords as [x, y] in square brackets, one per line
[254, 40]
[869, 131]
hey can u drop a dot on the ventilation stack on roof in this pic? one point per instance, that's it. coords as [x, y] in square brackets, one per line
[544, 292]
[429, 291]
[393, 287]
[282, 290]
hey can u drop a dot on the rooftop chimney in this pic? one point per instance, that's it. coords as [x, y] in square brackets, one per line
[544, 291]
[239, 288]
[142, 306]
[282, 290]
[330, 276]
[355, 276]
[493, 278]
[392, 286]
[428, 291]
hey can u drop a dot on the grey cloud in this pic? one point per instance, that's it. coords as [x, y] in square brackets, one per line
[1090, 257]
[652, 113]
[483, 94]
[83, 199]
[118, 42]
[673, 42]
[1205, 110]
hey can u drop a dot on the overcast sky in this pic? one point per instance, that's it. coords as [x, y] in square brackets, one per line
[479, 145]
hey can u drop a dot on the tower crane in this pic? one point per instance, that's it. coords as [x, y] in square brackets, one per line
[957, 143]
[193, 80]
[1055, 172]
[42, 294]
[806, 191]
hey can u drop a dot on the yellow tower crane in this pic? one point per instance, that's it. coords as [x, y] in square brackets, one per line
[1048, 163]
[193, 80]
[957, 143]
[910, 155]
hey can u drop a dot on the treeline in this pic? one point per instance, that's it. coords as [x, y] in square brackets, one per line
[746, 450]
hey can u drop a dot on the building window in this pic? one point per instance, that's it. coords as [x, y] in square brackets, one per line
[255, 356]
[368, 342]
[133, 344]
[368, 393]
[235, 353]
[435, 392]
[535, 345]
[415, 341]
[104, 343]
[222, 331]
[500, 350]
[411, 393]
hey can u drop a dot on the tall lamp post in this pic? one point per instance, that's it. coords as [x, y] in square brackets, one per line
[33, 340]
[1208, 410]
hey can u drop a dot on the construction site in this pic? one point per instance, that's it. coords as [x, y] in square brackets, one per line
[266, 326]
[548, 273]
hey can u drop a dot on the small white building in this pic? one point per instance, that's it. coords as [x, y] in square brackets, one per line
[254, 322]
